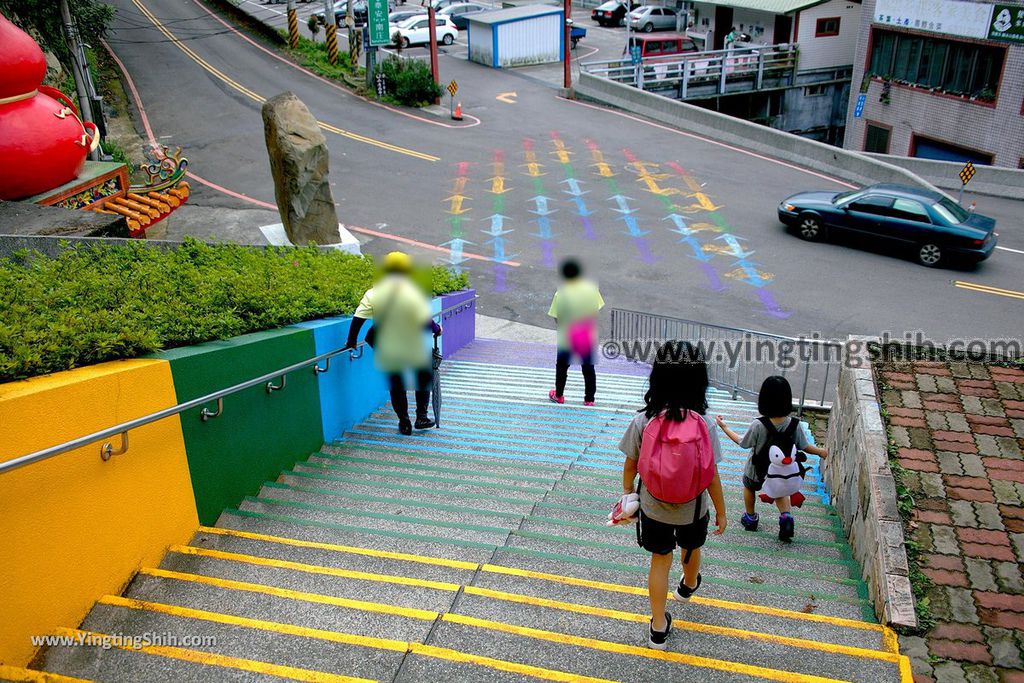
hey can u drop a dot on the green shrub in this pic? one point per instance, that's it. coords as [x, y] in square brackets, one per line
[94, 304]
[409, 81]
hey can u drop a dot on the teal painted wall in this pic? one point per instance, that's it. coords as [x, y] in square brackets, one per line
[259, 434]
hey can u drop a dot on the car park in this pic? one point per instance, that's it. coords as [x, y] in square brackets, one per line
[930, 226]
[416, 31]
[400, 15]
[460, 11]
[652, 18]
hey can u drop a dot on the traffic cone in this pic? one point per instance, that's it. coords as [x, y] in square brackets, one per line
[458, 112]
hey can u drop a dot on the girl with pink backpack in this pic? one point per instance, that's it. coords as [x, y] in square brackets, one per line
[674, 448]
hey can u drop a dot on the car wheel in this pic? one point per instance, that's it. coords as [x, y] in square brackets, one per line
[648, 27]
[448, 39]
[810, 227]
[929, 255]
[405, 42]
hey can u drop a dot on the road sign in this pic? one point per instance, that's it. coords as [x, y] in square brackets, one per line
[858, 109]
[453, 88]
[967, 173]
[634, 54]
[377, 20]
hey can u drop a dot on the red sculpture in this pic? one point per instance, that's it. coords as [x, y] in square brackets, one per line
[43, 141]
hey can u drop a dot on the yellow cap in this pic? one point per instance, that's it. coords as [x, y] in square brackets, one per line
[397, 262]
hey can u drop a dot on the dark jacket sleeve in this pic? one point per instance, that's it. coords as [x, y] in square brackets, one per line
[353, 332]
[433, 327]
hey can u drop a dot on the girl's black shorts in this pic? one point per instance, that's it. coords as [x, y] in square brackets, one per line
[661, 538]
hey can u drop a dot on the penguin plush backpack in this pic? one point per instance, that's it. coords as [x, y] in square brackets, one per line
[780, 465]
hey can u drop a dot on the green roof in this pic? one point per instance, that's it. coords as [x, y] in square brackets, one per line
[770, 6]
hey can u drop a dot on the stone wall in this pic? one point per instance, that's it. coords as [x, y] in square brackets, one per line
[864, 493]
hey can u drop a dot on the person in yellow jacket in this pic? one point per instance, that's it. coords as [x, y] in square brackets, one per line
[575, 307]
[400, 312]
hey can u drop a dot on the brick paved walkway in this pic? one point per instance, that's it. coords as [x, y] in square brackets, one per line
[959, 429]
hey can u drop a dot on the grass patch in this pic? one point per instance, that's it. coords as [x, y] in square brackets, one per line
[95, 304]
[313, 56]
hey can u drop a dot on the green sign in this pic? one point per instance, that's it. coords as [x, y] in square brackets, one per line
[377, 18]
[1007, 23]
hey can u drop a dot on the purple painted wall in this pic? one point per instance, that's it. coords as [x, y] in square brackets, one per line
[459, 324]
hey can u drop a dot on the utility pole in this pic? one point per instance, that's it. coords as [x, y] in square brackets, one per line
[79, 67]
[293, 25]
[434, 68]
[566, 47]
[332, 29]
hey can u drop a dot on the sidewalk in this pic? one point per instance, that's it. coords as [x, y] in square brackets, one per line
[959, 430]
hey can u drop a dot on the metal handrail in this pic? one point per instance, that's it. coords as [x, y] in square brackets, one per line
[267, 380]
[739, 378]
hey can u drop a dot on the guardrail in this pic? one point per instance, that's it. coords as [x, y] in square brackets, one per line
[267, 380]
[739, 69]
[738, 359]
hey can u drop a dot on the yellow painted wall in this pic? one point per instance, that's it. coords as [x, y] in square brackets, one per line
[74, 528]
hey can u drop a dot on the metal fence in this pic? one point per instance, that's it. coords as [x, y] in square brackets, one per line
[738, 359]
[715, 72]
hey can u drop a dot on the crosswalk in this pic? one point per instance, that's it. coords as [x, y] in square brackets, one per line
[478, 552]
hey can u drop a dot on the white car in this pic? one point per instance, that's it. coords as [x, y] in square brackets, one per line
[416, 31]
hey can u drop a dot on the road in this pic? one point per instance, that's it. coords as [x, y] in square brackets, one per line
[667, 221]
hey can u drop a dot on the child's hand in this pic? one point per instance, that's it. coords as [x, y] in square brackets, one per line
[824, 453]
[721, 521]
[720, 421]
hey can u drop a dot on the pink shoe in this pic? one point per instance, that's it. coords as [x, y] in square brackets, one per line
[555, 399]
[588, 403]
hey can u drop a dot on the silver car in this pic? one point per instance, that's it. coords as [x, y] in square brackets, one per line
[651, 18]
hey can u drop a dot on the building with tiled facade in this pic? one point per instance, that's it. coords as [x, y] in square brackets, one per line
[940, 79]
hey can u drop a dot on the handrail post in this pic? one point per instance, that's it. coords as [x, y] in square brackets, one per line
[721, 75]
[271, 387]
[760, 69]
[206, 414]
[107, 449]
[803, 390]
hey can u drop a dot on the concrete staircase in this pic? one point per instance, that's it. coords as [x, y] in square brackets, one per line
[477, 552]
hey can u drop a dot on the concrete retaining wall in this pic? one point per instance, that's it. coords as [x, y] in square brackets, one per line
[863, 493]
[990, 180]
[845, 164]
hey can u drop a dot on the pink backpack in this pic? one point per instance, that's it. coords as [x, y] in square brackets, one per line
[677, 462]
[581, 336]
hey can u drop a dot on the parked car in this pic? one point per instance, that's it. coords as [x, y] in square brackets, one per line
[416, 31]
[359, 12]
[400, 15]
[460, 11]
[932, 227]
[666, 47]
[610, 13]
[652, 18]
[441, 4]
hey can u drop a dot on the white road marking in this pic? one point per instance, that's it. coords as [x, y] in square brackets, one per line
[260, 5]
[1015, 251]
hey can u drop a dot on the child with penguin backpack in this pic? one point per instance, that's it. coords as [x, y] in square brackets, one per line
[674, 448]
[777, 444]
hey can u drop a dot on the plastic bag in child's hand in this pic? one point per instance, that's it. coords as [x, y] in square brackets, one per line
[624, 511]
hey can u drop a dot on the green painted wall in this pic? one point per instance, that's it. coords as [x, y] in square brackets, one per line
[259, 434]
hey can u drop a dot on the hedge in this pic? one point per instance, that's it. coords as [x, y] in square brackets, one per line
[94, 304]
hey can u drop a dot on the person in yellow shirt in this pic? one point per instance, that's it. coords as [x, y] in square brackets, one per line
[575, 307]
[400, 312]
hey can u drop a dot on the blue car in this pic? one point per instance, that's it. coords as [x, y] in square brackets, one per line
[928, 225]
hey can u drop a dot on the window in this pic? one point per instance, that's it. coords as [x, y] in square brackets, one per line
[910, 210]
[828, 26]
[950, 66]
[876, 139]
[951, 211]
[816, 90]
[874, 204]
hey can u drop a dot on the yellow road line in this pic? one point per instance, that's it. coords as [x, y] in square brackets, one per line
[220, 75]
[334, 547]
[19, 675]
[501, 665]
[212, 659]
[906, 671]
[334, 601]
[888, 636]
[619, 648]
[258, 624]
[312, 568]
[331, 636]
[986, 289]
[830, 648]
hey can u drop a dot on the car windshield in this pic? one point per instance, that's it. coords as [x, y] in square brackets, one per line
[951, 211]
[849, 195]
